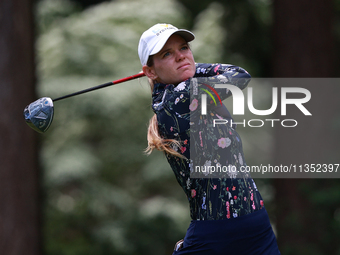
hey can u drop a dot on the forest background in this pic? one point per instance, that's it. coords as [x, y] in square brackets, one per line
[86, 187]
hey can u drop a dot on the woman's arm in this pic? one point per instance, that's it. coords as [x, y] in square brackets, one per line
[222, 74]
[178, 102]
[208, 75]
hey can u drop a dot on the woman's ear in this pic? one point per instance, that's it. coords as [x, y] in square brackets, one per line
[150, 72]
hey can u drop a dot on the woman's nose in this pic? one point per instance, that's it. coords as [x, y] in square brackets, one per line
[179, 56]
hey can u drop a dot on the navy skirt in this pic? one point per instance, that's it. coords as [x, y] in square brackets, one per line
[249, 234]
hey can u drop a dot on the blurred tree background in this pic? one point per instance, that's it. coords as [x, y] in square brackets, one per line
[101, 194]
[20, 228]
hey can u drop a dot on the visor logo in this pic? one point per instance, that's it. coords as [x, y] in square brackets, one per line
[165, 27]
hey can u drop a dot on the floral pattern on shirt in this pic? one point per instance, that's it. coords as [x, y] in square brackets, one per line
[218, 197]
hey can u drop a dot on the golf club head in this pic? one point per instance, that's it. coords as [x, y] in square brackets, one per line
[39, 114]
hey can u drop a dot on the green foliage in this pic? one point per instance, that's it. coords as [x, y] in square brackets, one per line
[103, 195]
[246, 35]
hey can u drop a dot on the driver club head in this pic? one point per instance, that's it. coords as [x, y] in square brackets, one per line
[39, 114]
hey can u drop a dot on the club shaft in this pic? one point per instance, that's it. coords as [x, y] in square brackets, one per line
[132, 77]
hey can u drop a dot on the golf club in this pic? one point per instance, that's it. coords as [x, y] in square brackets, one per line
[39, 114]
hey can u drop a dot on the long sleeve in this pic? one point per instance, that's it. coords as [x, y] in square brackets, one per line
[212, 74]
[186, 103]
[179, 117]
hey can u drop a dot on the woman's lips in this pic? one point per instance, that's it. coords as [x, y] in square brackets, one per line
[183, 66]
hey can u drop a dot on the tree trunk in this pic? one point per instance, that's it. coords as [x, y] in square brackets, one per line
[19, 185]
[303, 47]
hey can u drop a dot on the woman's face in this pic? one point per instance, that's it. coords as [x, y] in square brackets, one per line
[173, 64]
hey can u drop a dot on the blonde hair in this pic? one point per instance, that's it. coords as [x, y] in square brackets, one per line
[156, 141]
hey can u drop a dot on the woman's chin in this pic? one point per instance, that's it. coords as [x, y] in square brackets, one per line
[188, 75]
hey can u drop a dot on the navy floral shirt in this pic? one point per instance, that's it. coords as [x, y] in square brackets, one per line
[212, 197]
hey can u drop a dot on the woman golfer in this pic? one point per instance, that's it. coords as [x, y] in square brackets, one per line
[227, 210]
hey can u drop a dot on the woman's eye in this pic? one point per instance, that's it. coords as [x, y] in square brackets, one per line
[185, 47]
[166, 54]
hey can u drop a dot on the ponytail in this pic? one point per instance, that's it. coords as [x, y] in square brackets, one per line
[155, 141]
